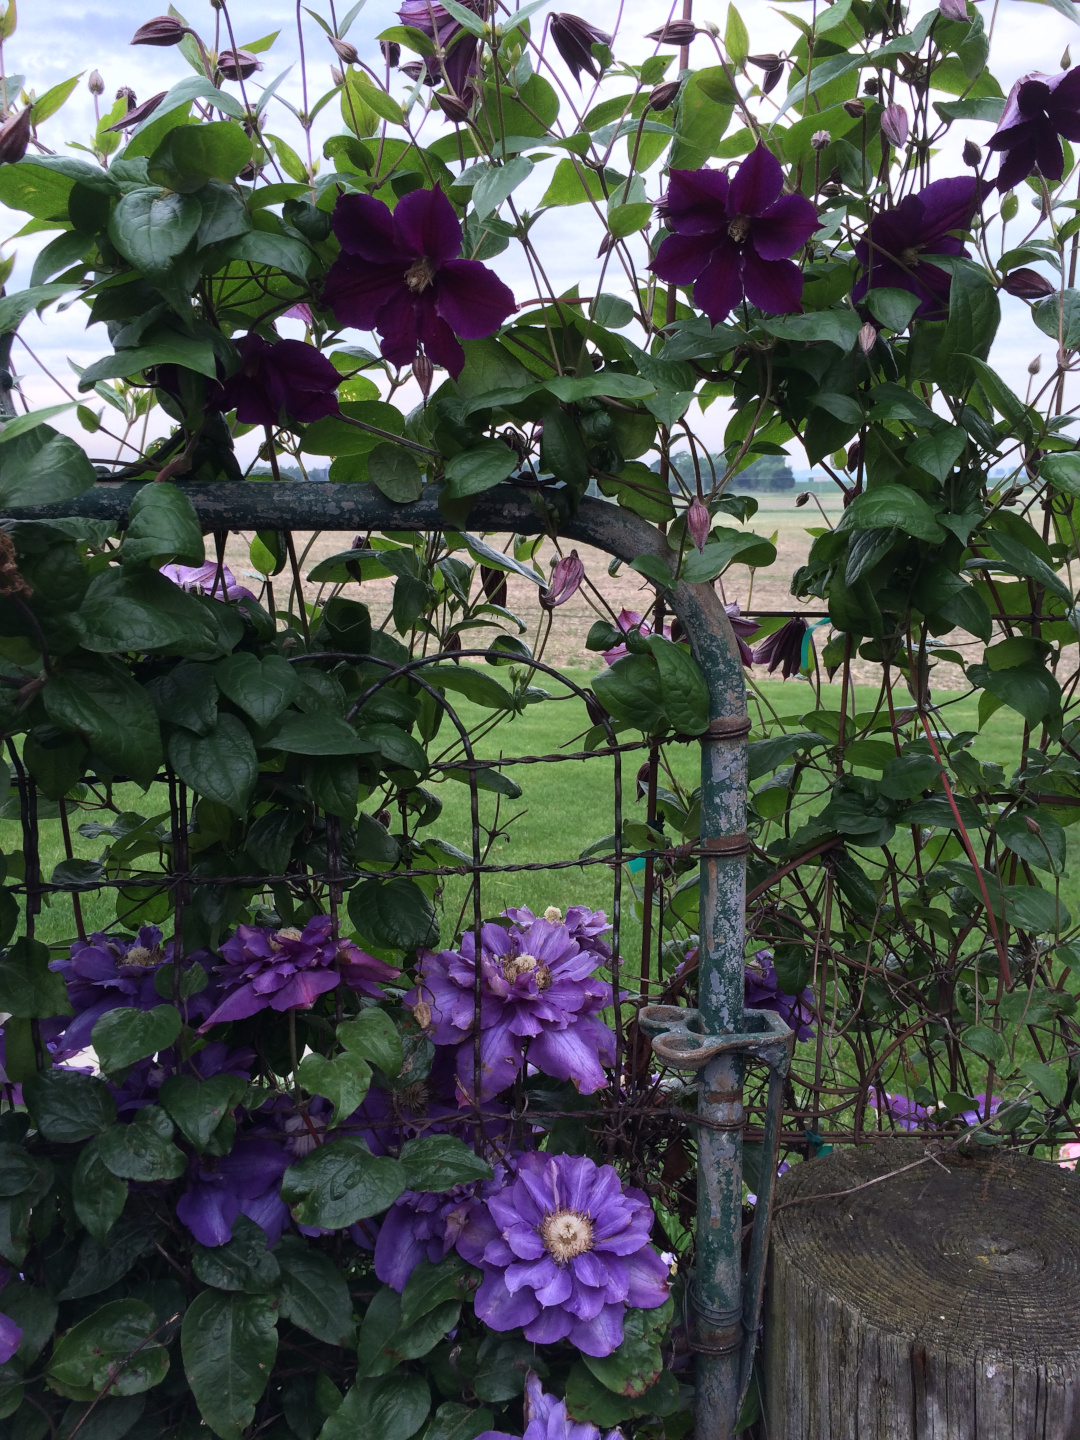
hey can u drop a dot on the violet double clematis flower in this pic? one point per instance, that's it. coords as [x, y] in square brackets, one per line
[539, 998]
[891, 254]
[427, 1226]
[278, 383]
[761, 991]
[214, 581]
[564, 1250]
[732, 239]
[1040, 110]
[401, 274]
[546, 1419]
[288, 969]
[584, 926]
[247, 1181]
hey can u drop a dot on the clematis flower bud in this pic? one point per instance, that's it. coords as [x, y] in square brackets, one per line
[872, 86]
[764, 62]
[698, 522]
[413, 69]
[346, 50]
[574, 39]
[772, 79]
[95, 84]
[238, 64]
[664, 95]
[391, 53]
[1035, 366]
[867, 338]
[493, 584]
[972, 154]
[675, 32]
[453, 108]
[336, 77]
[1032, 825]
[820, 139]
[894, 125]
[803, 499]
[423, 373]
[1066, 59]
[953, 9]
[566, 580]
[854, 455]
[137, 112]
[1027, 284]
[855, 108]
[14, 137]
[164, 30]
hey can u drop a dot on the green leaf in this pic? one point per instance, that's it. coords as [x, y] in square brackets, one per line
[28, 988]
[41, 467]
[885, 506]
[224, 215]
[1059, 317]
[194, 87]
[190, 155]
[562, 452]
[393, 914]
[394, 1406]
[111, 1349]
[623, 220]
[392, 470]
[479, 468]
[124, 1035]
[242, 1263]
[572, 388]
[974, 314]
[280, 252]
[1044, 847]
[475, 685]
[67, 1107]
[113, 714]
[439, 1162]
[262, 688]
[497, 182]
[34, 1311]
[17, 1171]
[839, 327]
[374, 1036]
[1020, 559]
[14, 310]
[98, 1195]
[573, 183]
[221, 765]
[705, 109]
[985, 1042]
[453, 1421]
[163, 527]
[1029, 908]
[683, 691]
[636, 1364]
[341, 1182]
[318, 734]
[657, 570]
[630, 691]
[143, 1148]
[727, 546]
[431, 1285]
[894, 308]
[1049, 1082]
[141, 610]
[343, 1080]
[1029, 688]
[150, 227]
[938, 452]
[229, 1342]
[313, 1293]
[199, 1106]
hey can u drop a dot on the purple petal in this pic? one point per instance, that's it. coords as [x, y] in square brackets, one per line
[697, 201]
[773, 285]
[425, 224]
[649, 1279]
[472, 299]
[440, 344]
[365, 226]
[10, 1338]
[784, 228]
[397, 1250]
[599, 1336]
[757, 184]
[304, 989]
[719, 286]
[550, 1326]
[208, 1211]
[356, 292]
[495, 1306]
[269, 1211]
[396, 323]
[681, 258]
[237, 1006]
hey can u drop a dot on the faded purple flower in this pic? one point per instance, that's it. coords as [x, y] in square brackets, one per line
[903, 1112]
[539, 999]
[953, 9]
[458, 46]
[630, 620]
[894, 125]
[783, 649]
[288, 969]
[732, 239]
[566, 580]
[564, 1249]
[698, 521]
[277, 383]
[401, 274]
[891, 254]
[761, 991]
[743, 627]
[1039, 111]
[574, 39]
[216, 582]
[546, 1419]
[247, 1181]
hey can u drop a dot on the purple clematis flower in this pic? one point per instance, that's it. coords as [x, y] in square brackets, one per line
[546, 1419]
[427, 1227]
[783, 649]
[896, 240]
[401, 274]
[564, 1249]
[574, 39]
[903, 1112]
[761, 991]
[216, 582]
[247, 1181]
[1039, 111]
[287, 381]
[288, 969]
[733, 238]
[539, 997]
[584, 926]
[743, 627]
[630, 620]
[10, 1338]
[459, 47]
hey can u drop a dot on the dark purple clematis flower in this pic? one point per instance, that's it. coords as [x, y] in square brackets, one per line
[539, 997]
[209, 579]
[1039, 111]
[574, 39]
[288, 969]
[401, 274]
[546, 1419]
[904, 1113]
[459, 47]
[630, 620]
[247, 1181]
[922, 224]
[278, 383]
[761, 991]
[743, 627]
[783, 649]
[732, 238]
[565, 1250]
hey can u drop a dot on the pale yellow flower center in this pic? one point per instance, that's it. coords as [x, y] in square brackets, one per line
[553, 915]
[566, 1233]
[420, 274]
[515, 965]
[140, 955]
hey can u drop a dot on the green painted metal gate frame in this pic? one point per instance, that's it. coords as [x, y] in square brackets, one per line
[715, 1039]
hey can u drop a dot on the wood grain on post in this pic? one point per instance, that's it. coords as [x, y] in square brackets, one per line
[937, 1304]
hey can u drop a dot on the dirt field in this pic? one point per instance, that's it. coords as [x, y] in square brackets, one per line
[763, 590]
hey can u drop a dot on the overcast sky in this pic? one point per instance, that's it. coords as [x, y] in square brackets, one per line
[56, 39]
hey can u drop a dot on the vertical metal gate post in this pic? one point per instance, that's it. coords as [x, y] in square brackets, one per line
[712, 1038]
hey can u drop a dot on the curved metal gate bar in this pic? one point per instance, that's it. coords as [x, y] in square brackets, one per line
[715, 1038]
